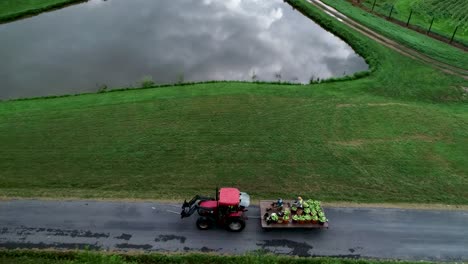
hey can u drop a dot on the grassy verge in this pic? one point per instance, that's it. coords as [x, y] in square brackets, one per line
[15, 9]
[43, 257]
[429, 46]
[398, 135]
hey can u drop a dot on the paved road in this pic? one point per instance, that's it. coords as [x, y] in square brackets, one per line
[379, 233]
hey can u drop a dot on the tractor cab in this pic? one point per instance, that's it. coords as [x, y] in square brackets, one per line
[227, 209]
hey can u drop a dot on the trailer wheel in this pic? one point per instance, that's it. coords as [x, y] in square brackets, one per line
[235, 224]
[204, 223]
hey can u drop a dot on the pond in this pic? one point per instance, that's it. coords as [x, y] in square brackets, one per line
[118, 43]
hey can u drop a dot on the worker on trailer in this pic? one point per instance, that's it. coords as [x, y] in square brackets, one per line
[300, 202]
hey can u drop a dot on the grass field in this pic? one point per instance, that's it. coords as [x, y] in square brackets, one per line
[420, 42]
[35, 257]
[386, 138]
[14, 9]
[398, 135]
[448, 14]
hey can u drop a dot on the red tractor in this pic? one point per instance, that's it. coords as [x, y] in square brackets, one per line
[226, 210]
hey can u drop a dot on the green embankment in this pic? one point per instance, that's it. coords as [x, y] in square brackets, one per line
[35, 257]
[15, 9]
[398, 135]
[420, 42]
[447, 14]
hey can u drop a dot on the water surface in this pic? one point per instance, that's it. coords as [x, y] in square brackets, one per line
[118, 42]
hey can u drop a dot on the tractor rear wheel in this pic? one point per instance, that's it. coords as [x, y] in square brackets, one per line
[235, 224]
[204, 223]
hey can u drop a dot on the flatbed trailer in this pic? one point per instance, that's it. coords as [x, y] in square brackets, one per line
[266, 204]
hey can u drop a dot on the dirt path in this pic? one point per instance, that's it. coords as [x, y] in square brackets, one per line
[450, 69]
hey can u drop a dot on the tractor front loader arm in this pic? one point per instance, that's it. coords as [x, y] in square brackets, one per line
[188, 208]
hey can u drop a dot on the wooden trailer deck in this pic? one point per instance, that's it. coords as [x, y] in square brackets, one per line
[265, 204]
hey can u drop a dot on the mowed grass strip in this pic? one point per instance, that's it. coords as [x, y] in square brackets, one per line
[398, 135]
[15, 9]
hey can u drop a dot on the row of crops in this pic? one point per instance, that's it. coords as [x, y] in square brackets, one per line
[454, 11]
[447, 16]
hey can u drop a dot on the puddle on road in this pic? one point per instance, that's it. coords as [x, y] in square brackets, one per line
[165, 238]
[291, 247]
[124, 236]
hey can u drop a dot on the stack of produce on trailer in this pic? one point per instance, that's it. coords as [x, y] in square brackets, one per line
[294, 214]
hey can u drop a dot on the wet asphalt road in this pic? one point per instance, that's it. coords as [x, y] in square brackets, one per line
[373, 233]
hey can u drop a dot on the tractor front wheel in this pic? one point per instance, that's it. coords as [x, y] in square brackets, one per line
[204, 223]
[235, 224]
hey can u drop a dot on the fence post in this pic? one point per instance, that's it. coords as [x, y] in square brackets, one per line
[453, 36]
[373, 5]
[391, 11]
[429, 30]
[409, 18]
